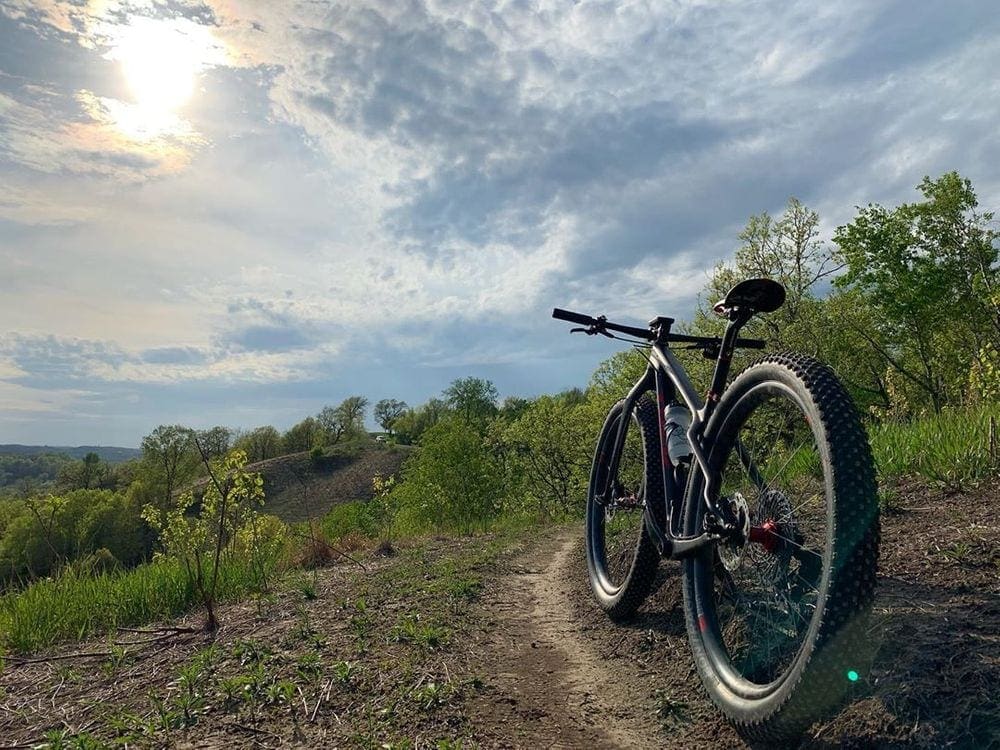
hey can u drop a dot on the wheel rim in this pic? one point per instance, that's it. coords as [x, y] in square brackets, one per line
[760, 594]
[616, 527]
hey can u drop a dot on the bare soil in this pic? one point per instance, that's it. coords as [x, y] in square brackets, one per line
[493, 641]
[299, 488]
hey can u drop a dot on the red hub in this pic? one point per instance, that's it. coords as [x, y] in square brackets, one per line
[766, 535]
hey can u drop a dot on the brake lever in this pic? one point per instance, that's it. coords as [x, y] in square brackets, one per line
[591, 331]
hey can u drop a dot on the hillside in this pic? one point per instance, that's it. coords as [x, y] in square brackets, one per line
[110, 453]
[298, 488]
[494, 641]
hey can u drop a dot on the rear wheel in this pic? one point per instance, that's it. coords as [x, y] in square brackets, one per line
[621, 557]
[777, 616]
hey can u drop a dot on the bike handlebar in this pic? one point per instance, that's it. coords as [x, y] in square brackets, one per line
[602, 324]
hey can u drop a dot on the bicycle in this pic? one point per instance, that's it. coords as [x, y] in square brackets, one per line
[767, 497]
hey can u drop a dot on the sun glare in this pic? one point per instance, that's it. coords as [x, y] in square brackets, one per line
[161, 61]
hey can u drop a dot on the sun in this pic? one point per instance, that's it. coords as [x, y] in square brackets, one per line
[161, 61]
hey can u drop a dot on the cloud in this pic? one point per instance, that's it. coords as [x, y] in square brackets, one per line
[360, 184]
[92, 143]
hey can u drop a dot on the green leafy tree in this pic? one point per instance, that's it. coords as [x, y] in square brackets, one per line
[929, 271]
[473, 399]
[345, 421]
[513, 407]
[169, 460]
[388, 411]
[89, 473]
[260, 443]
[216, 441]
[548, 448]
[303, 436]
[413, 423]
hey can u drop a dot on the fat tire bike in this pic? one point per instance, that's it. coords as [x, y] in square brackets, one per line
[765, 492]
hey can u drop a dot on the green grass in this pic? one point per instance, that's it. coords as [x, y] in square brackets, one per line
[951, 448]
[71, 606]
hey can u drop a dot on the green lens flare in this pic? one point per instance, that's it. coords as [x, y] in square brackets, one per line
[852, 675]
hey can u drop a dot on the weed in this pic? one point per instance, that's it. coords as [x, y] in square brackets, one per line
[344, 671]
[430, 695]
[951, 448]
[411, 630]
[71, 606]
[117, 658]
[960, 552]
[309, 667]
[280, 692]
[670, 712]
[250, 652]
[166, 717]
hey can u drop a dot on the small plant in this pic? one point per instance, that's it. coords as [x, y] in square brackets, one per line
[166, 718]
[280, 692]
[670, 712]
[308, 666]
[344, 671]
[412, 630]
[959, 552]
[189, 700]
[430, 695]
[117, 658]
[250, 652]
[308, 589]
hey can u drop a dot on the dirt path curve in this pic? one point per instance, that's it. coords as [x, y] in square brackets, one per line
[551, 687]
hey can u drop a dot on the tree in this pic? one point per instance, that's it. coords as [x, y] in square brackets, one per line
[260, 443]
[303, 436]
[216, 441]
[89, 473]
[788, 250]
[413, 423]
[474, 399]
[343, 421]
[387, 411]
[202, 539]
[548, 448]
[929, 271]
[169, 457]
[513, 407]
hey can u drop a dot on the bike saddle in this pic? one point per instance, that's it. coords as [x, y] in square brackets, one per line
[756, 295]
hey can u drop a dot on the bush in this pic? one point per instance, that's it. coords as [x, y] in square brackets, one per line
[453, 482]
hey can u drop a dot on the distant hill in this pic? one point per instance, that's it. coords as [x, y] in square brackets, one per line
[110, 453]
[297, 488]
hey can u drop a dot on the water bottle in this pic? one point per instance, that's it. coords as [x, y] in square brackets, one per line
[676, 421]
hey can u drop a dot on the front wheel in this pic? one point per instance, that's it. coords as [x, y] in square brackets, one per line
[621, 557]
[777, 614]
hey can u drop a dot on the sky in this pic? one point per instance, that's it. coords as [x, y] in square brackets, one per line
[235, 212]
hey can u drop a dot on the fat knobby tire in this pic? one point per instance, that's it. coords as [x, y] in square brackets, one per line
[621, 602]
[815, 683]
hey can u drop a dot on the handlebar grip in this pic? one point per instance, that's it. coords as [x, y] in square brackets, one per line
[750, 343]
[572, 317]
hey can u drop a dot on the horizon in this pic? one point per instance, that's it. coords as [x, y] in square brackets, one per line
[314, 201]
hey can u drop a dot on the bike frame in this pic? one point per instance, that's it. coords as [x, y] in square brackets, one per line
[667, 376]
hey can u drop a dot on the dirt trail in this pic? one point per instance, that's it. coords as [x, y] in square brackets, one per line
[555, 685]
